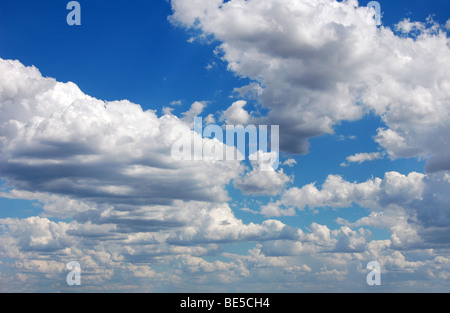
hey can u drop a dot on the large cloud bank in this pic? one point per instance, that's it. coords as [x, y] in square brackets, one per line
[320, 62]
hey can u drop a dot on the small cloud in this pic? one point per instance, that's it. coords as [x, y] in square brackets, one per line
[211, 65]
[447, 25]
[342, 221]
[195, 110]
[252, 91]
[263, 180]
[406, 26]
[250, 211]
[210, 119]
[290, 162]
[350, 137]
[362, 157]
[236, 114]
[176, 102]
[167, 111]
[274, 210]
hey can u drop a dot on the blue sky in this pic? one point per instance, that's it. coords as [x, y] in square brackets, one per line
[363, 111]
[146, 47]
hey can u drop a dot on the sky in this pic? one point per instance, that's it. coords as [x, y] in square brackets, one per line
[90, 114]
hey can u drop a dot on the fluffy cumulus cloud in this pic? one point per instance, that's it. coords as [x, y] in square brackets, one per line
[317, 63]
[412, 208]
[263, 179]
[105, 168]
[105, 165]
[236, 114]
[56, 139]
[115, 200]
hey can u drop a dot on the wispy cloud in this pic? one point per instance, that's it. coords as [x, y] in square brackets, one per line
[363, 157]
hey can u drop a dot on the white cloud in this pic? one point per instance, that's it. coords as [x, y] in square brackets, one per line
[375, 193]
[195, 110]
[235, 114]
[262, 179]
[176, 102]
[251, 91]
[210, 119]
[411, 208]
[274, 210]
[290, 163]
[363, 157]
[406, 26]
[322, 62]
[167, 111]
[56, 139]
[258, 182]
[198, 265]
[38, 234]
[107, 167]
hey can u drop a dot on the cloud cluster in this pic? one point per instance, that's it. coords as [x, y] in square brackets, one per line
[115, 200]
[412, 208]
[263, 179]
[105, 168]
[56, 139]
[320, 62]
[362, 157]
